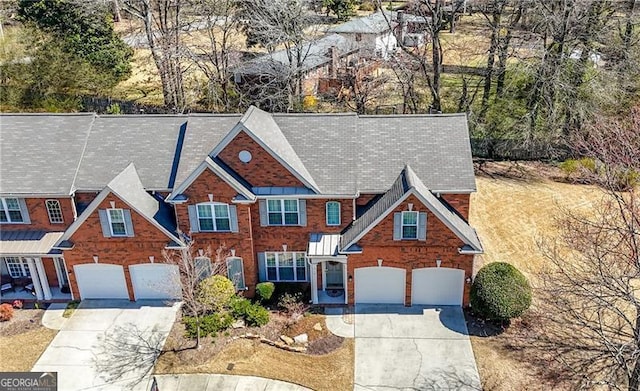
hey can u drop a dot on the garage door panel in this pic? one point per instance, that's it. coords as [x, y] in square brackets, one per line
[101, 281]
[155, 281]
[437, 286]
[380, 285]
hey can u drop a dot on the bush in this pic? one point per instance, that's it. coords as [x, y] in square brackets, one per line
[293, 305]
[6, 312]
[216, 292]
[252, 314]
[500, 292]
[265, 290]
[292, 288]
[209, 324]
[367, 6]
[239, 307]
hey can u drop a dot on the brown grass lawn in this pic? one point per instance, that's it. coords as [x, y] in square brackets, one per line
[514, 207]
[22, 340]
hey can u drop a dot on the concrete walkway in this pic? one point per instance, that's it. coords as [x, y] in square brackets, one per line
[212, 382]
[52, 318]
[335, 321]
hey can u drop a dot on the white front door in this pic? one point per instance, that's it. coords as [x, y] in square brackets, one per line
[155, 281]
[101, 281]
[334, 274]
[437, 286]
[380, 285]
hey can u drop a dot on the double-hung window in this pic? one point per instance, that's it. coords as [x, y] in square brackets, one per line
[333, 213]
[10, 211]
[213, 217]
[283, 212]
[17, 267]
[409, 225]
[286, 266]
[116, 222]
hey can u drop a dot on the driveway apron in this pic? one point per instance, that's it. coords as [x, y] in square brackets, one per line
[109, 345]
[413, 348]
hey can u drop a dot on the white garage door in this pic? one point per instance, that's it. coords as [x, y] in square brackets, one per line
[155, 281]
[383, 285]
[437, 286]
[101, 281]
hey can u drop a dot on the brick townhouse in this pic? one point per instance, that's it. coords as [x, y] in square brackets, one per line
[364, 209]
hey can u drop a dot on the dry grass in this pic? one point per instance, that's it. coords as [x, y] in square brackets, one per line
[514, 207]
[22, 340]
[333, 371]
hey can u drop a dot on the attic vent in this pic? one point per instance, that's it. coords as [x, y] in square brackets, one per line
[245, 156]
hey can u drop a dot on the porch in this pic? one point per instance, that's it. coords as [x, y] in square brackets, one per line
[328, 270]
[25, 294]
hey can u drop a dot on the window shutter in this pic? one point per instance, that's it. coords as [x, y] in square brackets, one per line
[302, 205]
[422, 226]
[235, 272]
[264, 218]
[128, 223]
[397, 226]
[262, 267]
[24, 211]
[233, 218]
[193, 219]
[104, 222]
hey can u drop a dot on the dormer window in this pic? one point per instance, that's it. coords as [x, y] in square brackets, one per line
[116, 222]
[409, 225]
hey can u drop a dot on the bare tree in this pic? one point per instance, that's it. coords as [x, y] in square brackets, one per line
[193, 266]
[363, 89]
[162, 21]
[589, 293]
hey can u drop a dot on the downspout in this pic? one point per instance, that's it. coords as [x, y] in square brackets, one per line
[73, 206]
[354, 210]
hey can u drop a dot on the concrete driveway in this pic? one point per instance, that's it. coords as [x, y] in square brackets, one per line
[109, 345]
[416, 348]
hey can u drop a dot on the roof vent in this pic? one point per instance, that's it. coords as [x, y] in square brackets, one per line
[245, 156]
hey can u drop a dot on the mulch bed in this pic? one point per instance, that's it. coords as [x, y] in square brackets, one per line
[23, 320]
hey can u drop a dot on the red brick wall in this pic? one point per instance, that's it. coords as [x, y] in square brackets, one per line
[441, 244]
[50, 271]
[262, 170]
[89, 241]
[40, 218]
[460, 202]
[85, 198]
[364, 199]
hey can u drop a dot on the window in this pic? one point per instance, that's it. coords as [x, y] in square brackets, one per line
[213, 217]
[283, 212]
[286, 266]
[333, 213]
[54, 211]
[10, 211]
[203, 267]
[409, 225]
[116, 222]
[17, 267]
[235, 272]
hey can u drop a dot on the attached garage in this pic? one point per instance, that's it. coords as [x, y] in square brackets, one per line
[437, 286]
[155, 281]
[101, 281]
[379, 285]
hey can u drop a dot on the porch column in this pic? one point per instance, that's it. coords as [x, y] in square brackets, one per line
[34, 278]
[42, 276]
[345, 282]
[313, 274]
[323, 265]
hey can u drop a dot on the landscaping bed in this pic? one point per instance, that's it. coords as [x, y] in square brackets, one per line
[23, 339]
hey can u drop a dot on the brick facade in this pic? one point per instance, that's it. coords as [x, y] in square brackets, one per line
[460, 203]
[40, 218]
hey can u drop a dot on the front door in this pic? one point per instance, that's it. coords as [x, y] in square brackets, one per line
[334, 275]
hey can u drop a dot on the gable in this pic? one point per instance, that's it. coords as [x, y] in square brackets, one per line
[263, 170]
[209, 183]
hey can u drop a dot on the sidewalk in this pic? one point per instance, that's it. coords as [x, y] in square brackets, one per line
[335, 321]
[52, 318]
[211, 382]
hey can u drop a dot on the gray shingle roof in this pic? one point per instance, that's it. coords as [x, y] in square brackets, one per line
[148, 141]
[373, 24]
[39, 153]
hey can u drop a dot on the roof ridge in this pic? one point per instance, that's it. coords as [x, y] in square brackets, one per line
[84, 149]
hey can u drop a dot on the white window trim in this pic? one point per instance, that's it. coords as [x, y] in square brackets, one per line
[295, 265]
[3, 204]
[213, 216]
[327, 213]
[111, 223]
[46, 203]
[402, 225]
[282, 212]
[24, 266]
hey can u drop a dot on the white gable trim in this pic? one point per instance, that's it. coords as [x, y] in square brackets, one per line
[93, 206]
[219, 172]
[426, 203]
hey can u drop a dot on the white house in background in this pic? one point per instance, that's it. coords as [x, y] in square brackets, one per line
[374, 34]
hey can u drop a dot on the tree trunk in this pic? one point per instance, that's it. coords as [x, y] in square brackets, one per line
[503, 52]
[488, 76]
[116, 11]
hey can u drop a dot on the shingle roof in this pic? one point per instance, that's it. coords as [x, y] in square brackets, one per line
[373, 24]
[39, 153]
[408, 183]
[148, 141]
[314, 53]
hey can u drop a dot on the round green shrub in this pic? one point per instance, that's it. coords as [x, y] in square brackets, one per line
[209, 324]
[265, 290]
[500, 292]
[256, 315]
[239, 307]
[216, 292]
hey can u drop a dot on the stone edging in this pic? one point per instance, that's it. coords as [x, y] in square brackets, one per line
[277, 344]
